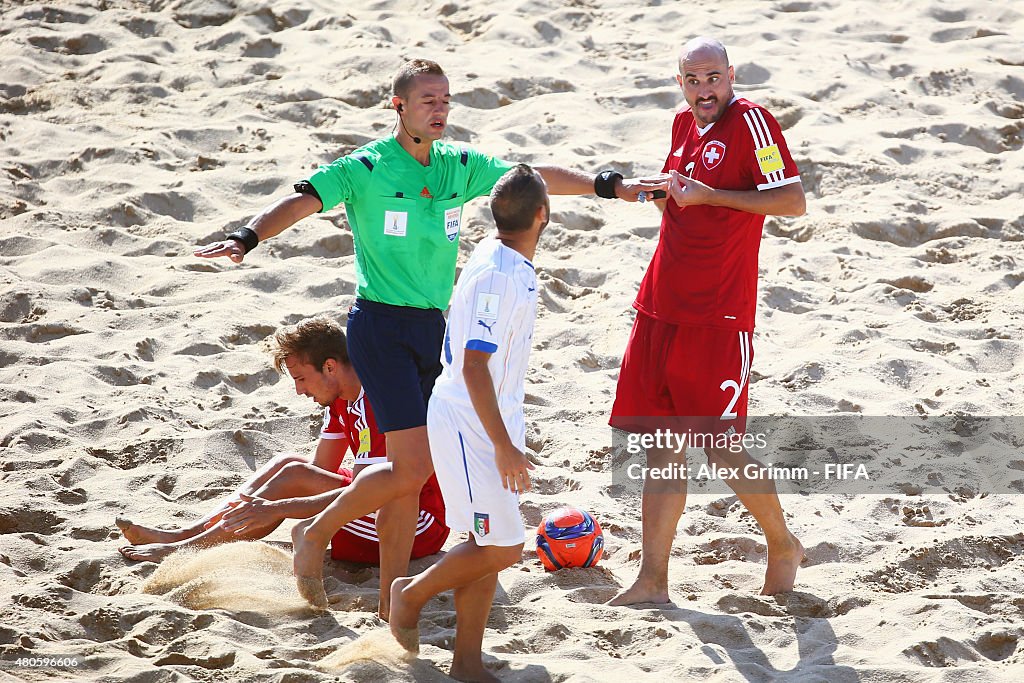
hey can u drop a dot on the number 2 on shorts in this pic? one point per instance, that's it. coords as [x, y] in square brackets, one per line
[730, 413]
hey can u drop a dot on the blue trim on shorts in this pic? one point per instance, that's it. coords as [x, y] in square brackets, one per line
[465, 467]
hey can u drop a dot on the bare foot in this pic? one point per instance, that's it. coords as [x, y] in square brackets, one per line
[641, 592]
[782, 565]
[404, 618]
[312, 589]
[150, 552]
[139, 534]
[473, 674]
[307, 564]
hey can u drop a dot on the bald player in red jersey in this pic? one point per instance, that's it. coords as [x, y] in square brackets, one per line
[687, 363]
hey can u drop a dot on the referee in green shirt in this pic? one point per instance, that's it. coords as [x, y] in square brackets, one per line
[403, 197]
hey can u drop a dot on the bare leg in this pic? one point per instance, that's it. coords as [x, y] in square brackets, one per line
[396, 528]
[155, 552]
[663, 503]
[371, 490]
[140, 533]
[760, 497]
[464, 565]
[137, 534]
[292, 481]
[472, 607]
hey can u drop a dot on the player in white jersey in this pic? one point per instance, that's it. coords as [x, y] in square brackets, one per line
[493, 310]
[475, 422]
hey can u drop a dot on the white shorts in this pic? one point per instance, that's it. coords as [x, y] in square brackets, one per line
[474, 499]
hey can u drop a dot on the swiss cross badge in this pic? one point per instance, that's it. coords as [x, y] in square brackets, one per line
[713, 154]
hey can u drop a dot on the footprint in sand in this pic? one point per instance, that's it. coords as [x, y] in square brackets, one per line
[21, 308]
[555, 486]
[739, 548]
[264, 48]
[23, 520]
[84, 44]
[46, 332]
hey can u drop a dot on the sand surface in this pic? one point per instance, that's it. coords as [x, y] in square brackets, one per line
[132, 379]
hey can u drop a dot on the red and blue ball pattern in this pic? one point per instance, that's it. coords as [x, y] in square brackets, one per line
[569, 537]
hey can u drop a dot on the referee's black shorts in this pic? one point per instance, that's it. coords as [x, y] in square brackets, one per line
[396, 351]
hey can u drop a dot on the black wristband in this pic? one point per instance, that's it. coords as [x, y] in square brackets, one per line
[604, 184]
[306, 187]
[247, 236]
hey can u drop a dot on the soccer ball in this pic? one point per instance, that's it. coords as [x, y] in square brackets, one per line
[569, 537]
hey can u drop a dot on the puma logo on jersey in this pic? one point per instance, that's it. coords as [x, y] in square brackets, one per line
[486, 326]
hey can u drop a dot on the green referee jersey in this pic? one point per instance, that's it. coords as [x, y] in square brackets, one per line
[406, 217]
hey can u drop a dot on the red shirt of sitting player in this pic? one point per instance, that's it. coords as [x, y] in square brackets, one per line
[295, 486]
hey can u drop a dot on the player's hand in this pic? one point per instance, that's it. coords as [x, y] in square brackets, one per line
[219, 512]
[251, 511]
[233, 249]
[687, 191]
[641, 189]
[513, 468]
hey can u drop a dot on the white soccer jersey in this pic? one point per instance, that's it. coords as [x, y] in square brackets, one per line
[493, 310]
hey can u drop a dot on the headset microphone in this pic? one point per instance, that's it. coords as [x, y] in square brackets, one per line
[401, 108]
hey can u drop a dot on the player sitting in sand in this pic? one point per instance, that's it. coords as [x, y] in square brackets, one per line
[475, 423]
[295, 486]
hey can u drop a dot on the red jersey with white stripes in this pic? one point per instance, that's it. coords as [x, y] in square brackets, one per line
[354, 422]
[704, 270]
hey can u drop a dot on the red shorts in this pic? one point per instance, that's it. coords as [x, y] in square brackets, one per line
[698, 374]
[357, 541]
